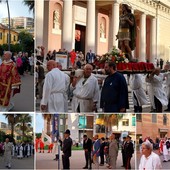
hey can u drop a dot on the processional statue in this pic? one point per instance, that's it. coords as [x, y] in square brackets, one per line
[127, 31]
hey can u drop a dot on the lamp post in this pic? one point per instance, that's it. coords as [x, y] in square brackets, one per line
[9, 27]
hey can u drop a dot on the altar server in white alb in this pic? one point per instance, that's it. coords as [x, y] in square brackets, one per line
[54, 89]
[85, 91]
[7, 153]
[149, 159]
[138, 93]
[166, 156]
[20, 151]
[160, 98]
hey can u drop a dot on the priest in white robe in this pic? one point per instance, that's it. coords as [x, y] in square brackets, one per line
[54, 89]
[149, 159]
[85, 92]
[138, 93]
[160, 98]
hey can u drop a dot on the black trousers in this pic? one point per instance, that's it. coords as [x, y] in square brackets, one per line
[102, 158]
[66, 162]
[88, 159]
[137, 109]
[158, 105]
[128, 165]
[123, 158]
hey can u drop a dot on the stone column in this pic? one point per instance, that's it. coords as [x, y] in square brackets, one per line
[39, 24]
[45, 27]
[153, 40]
[67, 31]
[142, 44]
[115, 22]
[90, 26]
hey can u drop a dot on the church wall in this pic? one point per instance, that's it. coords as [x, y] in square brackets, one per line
[102, 34]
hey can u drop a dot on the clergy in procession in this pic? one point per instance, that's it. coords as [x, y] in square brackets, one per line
[9, 79]
[160, 98]
[54, 89]
[138, 93]
[149, 159]
[85, 91]
[114, 95]
[7, 153]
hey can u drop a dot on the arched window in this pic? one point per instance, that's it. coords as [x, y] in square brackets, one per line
[103, 28]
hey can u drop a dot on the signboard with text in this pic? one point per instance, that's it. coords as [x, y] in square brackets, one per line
[62, 59]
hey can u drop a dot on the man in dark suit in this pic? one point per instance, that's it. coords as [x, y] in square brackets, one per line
[102, 151]
[87, 146]
[66, 148]
[123, 151]
[129, 150]
[90, 57]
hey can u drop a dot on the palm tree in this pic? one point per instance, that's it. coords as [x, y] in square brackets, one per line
[24, 123]
[12, 120]
[30, 4]
[111, 120]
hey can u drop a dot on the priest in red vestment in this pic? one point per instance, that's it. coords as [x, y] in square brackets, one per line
[9, 79]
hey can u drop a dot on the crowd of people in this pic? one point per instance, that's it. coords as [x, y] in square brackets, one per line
[10, 150]
[103, 151]
[160, 144]
[90, 92]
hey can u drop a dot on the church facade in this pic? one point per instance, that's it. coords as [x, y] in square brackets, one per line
[93, 25]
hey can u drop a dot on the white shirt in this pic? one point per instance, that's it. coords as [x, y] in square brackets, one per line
[152, 162]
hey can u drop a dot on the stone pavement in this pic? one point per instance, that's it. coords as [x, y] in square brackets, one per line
[77, 161]
[24, 101]
[165, 165]
[25, 163]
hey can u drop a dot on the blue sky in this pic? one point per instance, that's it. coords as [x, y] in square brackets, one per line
[17, 9]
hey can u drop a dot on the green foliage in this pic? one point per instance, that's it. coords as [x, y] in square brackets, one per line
[2, 136]
[38, 135]
[14, 48]
[30, 4]
[26, 41]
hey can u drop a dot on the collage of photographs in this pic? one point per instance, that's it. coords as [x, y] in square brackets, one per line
[85, 84]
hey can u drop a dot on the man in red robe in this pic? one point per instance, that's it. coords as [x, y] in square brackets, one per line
[72, 57]
[9, 79]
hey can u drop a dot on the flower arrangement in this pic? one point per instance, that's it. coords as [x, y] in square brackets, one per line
[114, 55]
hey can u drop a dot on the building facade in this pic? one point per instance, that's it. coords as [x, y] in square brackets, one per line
[4, 35]
[19, 22]
[103, 125]
[93, 24]
[153, 125]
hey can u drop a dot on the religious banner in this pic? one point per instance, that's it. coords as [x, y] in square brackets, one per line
[55, 127]
[62, 59]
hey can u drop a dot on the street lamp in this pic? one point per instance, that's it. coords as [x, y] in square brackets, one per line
[9, 27]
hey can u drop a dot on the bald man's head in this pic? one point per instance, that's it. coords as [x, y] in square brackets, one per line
[51, 64]
[157, 71]
[88, 70]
